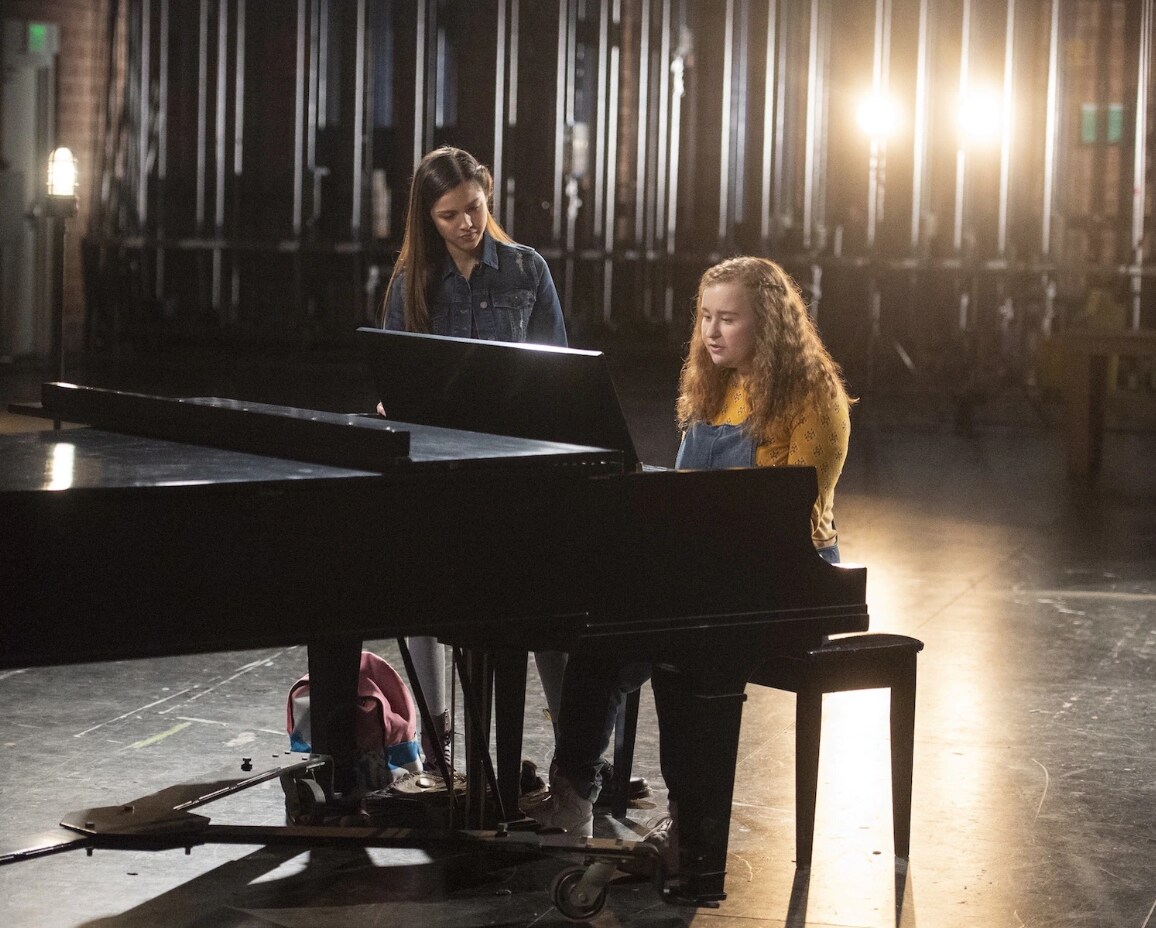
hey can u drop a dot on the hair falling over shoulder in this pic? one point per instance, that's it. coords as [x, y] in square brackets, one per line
[422, 248]
[791, 364]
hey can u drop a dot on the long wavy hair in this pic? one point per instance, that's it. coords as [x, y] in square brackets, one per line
[791, 365]
[422, 247]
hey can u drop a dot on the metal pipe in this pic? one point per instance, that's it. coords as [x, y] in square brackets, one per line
[499, 105]
[239, 92]
[563, 114]
[1051, 132]
[1005, 147]
[222, 112]
[162, 148]
[642, 151]
[678, 70]
[961, 153]
[219, 155]
[323, 35]
[768, 124]
[515, 41]
[612, 149]
[512, 104]
[784, 197]
[1139, 162]
[600, 151]
[919, 128]
[740, 104]
[421, 55]
[359, 134]
[299, 120]
[202, 110]
[725, 142]
[143, 115]
[660, 177]
[812, 129]
[878, 149]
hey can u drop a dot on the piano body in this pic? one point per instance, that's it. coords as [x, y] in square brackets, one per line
[181, 526]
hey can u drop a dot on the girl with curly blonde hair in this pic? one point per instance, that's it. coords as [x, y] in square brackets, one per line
[759, 388]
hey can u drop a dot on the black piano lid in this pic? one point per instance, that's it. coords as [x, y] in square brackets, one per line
[504, 388]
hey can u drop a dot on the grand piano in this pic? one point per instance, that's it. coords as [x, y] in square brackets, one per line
[188, 525]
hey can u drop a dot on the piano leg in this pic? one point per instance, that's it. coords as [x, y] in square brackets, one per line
[334, 667]
[698, 748]
[510, 718]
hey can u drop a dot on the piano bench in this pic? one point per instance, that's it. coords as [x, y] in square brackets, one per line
[856, 662]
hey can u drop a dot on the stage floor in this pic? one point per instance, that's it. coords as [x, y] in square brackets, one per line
[1034, 792]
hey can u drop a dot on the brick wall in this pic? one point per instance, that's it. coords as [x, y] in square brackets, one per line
[80, 94]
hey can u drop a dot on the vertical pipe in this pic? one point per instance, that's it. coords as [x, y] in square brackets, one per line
[814, 92]
[359, 133]
[238, 132]
[515, 40]
[323, 35]
[641, 200]
[1139, 164]
[512, 102]
[768, 124]
[563, 112]
[222, 111]
[878, 89]
[611, 109]
[219, 154]
[499, 106]
[162, 147]
[239, 93]
[678, 69]
[665, 65]
[1005, 147]
[919, 128]
[299, 120]
[784, 210]
[600, 151]
[421, 64]
[311, 86]
[961, 153]
[612, 149]
[202, 114]
[740, 103]
[726, 150]
[1051, 132]
[144, 116]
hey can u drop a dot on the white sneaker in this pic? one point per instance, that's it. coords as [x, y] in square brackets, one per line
[663, 835]
[565, 810]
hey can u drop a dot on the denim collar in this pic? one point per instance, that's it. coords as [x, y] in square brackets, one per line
[489, 256]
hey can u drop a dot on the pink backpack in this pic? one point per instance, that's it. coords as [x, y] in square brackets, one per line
[386, 723]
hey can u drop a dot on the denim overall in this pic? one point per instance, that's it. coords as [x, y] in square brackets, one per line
[714, 447]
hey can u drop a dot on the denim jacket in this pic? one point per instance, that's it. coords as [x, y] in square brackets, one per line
[510, 297]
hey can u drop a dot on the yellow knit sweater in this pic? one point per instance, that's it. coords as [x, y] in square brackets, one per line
[818, 439]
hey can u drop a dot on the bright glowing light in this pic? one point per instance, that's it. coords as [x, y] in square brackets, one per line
[878, 116]
[61, 469]
[980, 116]
[61, 173]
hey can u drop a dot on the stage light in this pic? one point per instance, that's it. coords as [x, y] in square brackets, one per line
[62, 173]
[878, 116]
[60, 206]
[980, 116]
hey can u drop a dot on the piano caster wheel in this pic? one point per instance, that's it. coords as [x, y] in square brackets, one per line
[304, 801]
[577, 897]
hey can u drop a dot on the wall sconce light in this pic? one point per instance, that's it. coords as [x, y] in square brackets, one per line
[60, 205]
